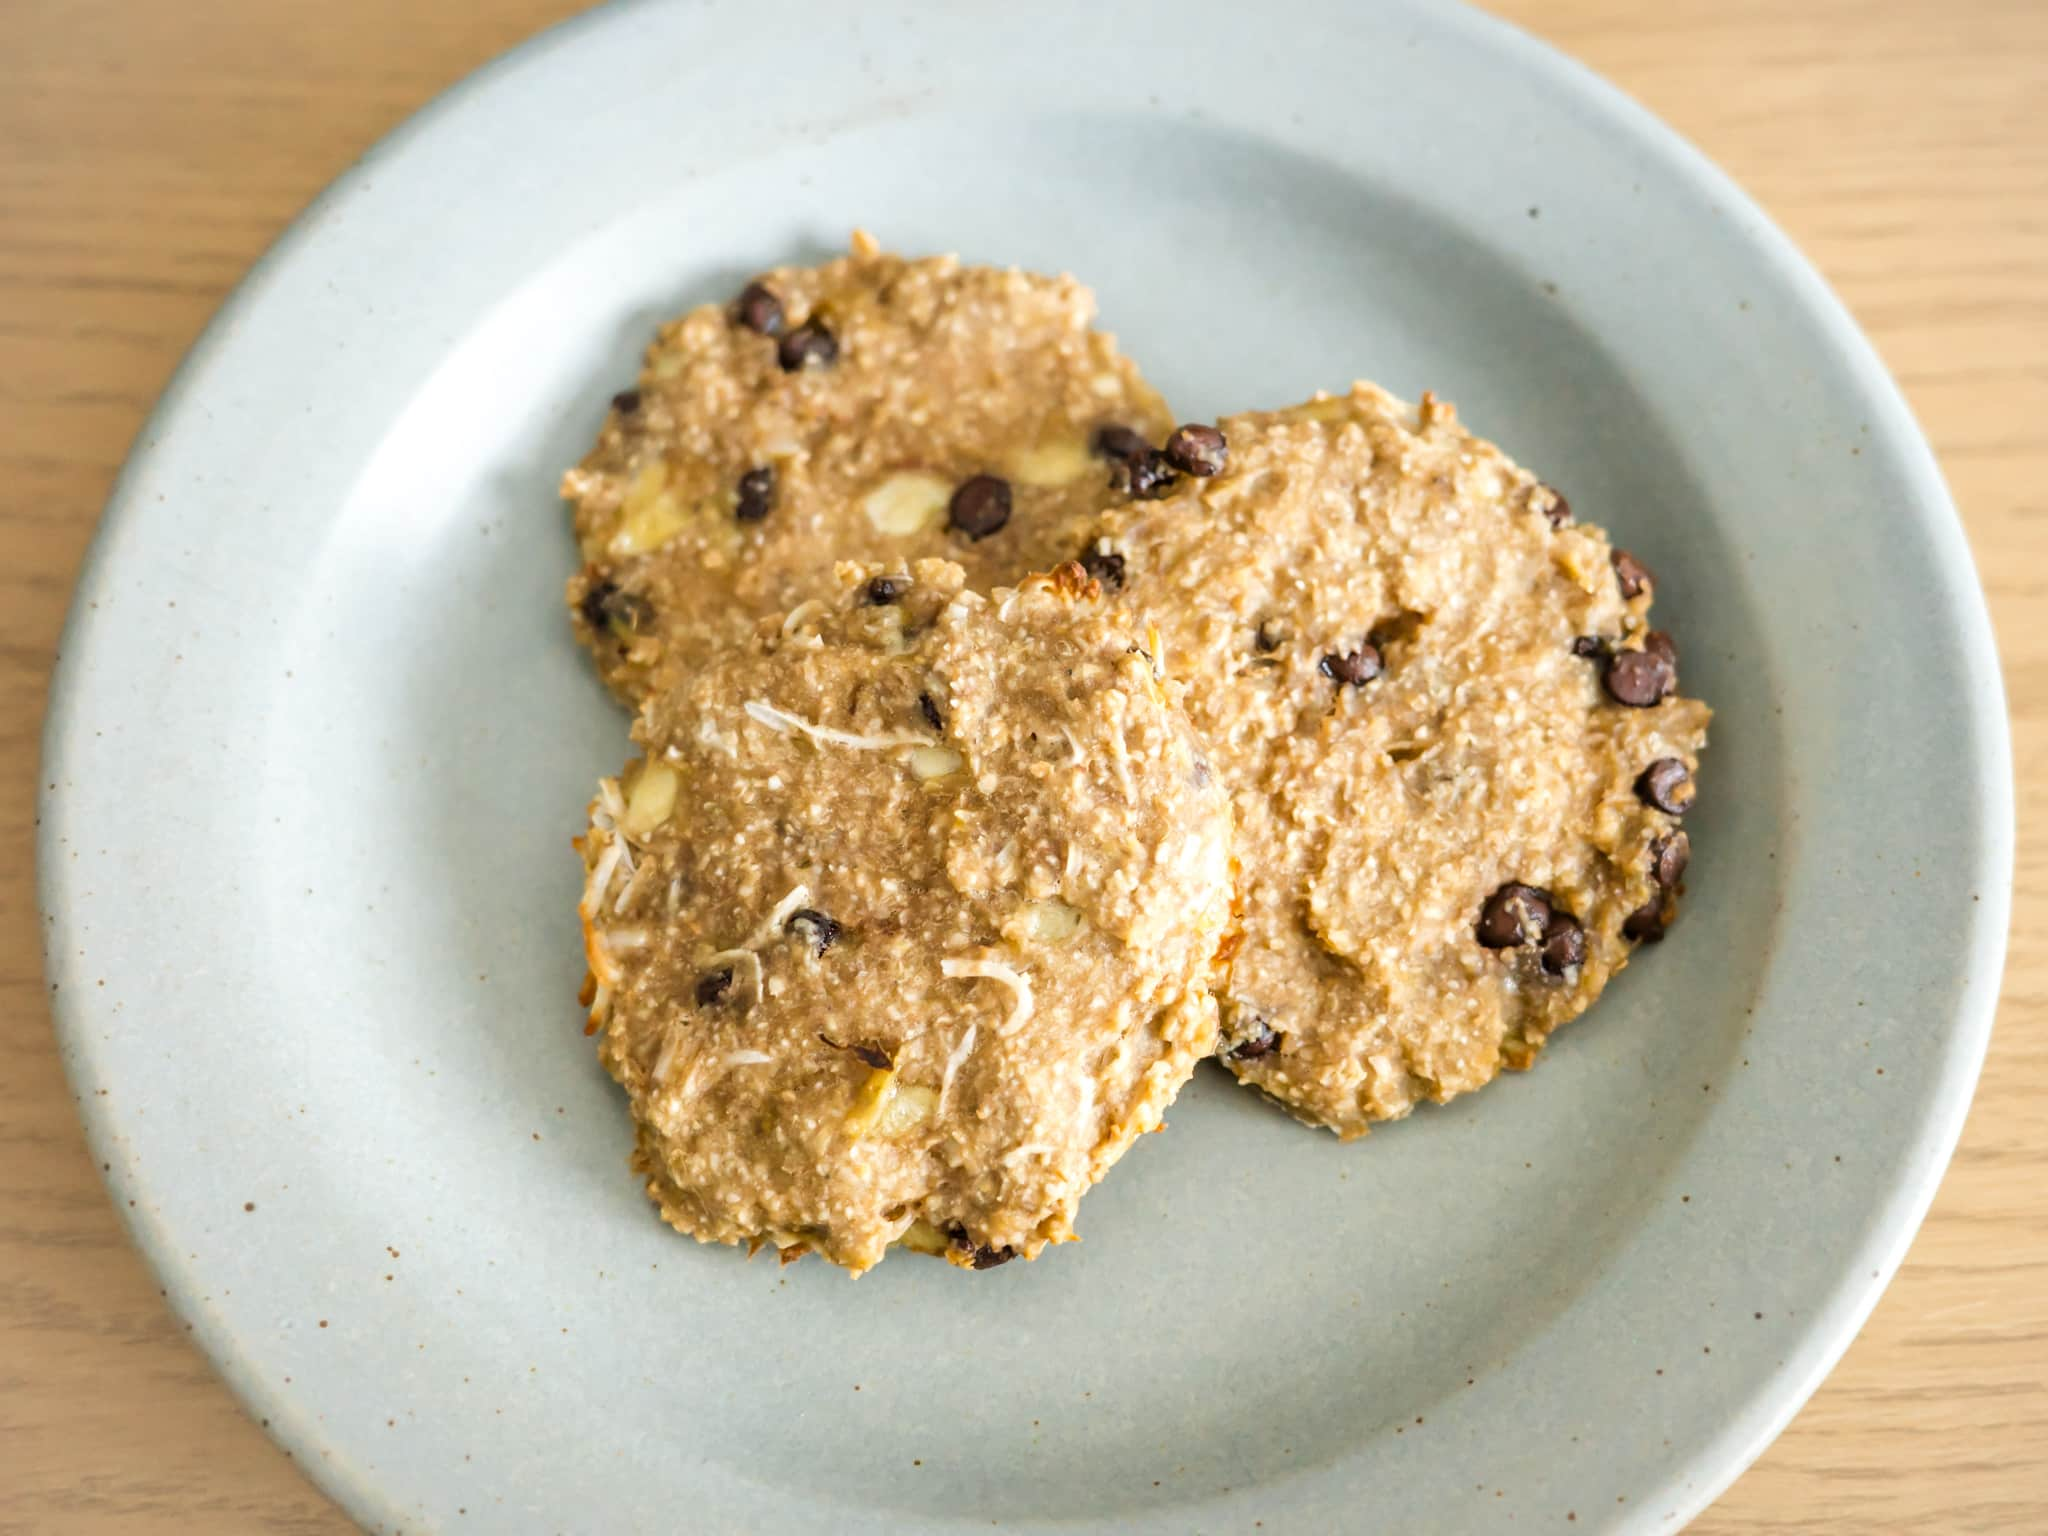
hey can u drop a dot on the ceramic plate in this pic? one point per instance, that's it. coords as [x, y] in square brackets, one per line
[320, 739]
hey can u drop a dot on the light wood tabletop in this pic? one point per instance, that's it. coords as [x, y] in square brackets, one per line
[149, 152]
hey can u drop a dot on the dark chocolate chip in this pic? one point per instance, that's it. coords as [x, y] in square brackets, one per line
[626, 401]
[1630, 574]
[929, 708]
[1105, 566]
[1145, 475]
[872, 1052]
[1639, 679]
[1260, 1041]
[608, 606]
[1668, 857]
[1357, 667]
[1559, 511]
[1647, 923]
[1667, 785]
[809, 345]
[981, 1255]
[1514, 915]
[813, 928]
[1658, 643]
[884, 590]
[595, 598]
[980, 506]
[757, 495]
[759, 310]
[1564, 945]
[712, 987]
[1119, 442]
[1589, 645]
[1197, 450]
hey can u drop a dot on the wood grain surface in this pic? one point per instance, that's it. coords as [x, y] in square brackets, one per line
[149, 152]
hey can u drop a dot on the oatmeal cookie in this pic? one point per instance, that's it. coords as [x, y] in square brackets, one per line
[873, 408]
[904, 924]
[1456, 748]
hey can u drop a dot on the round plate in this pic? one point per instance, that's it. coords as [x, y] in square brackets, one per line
[320, 740]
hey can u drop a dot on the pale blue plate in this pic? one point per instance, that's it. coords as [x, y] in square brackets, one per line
[320, 739]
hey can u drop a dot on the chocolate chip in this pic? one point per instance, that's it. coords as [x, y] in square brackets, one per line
[884, 590]
[980, 506]
[1260, 1041]
[1630, 574]
[1564, 945]
[759, 310]
[712, 987]
[809, 344]
[757, 495]
[1640, 679]
[813, 928]
[1105, 566]
[872, 1052]
[929, 708]
[626, 401]
[607, 606]
[1119, 442]
[981, 1256]
[1668, 857]
[1588, 645]
[1667, 785]
[1197, 450]
[1658, 643]
[1357, 667]
[1145, 475]
[1559, 511]
[1514, 915]
[1647, 923]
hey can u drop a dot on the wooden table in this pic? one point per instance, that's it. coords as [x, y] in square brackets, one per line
[148, 152]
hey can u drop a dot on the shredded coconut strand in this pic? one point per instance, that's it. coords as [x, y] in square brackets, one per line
[1008, 975]
[665, 1063]
[614, 802]
[600, 880]
[782, 720]
[632, 886]
[753, 965]
[954, 1062]
[801, 615]
[1120, 755]
[798, 895]
[745, 1059]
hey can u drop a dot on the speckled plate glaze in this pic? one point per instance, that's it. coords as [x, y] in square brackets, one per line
[320, 739]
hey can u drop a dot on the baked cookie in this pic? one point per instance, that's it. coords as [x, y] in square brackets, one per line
[903, 927]
[872, 408]
[1457, 753]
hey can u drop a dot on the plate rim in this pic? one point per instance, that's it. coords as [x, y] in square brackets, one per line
[1887, 1230]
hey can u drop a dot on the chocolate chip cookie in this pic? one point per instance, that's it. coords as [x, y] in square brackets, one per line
[1457, 751]
[872, 408]
[903, 925]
